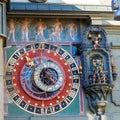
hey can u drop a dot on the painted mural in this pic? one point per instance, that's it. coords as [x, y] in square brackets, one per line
[37, 30]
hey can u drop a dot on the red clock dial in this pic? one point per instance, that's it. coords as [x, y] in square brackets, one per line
[42, 78]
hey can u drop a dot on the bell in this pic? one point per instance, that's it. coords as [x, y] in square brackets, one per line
[99, 36]
[117, 15]
[89, 36]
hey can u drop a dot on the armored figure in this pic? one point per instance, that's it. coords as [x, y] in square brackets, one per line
[98, 65]
[11, 34]
[98, 68]
[96, 42]
[116, 6]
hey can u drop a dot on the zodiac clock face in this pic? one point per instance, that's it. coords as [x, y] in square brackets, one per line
[42, 78]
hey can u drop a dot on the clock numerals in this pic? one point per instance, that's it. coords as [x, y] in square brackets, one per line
[61, 51]
[49, 110]
[22, 51]
[28, 47]
[26, 106]
[10, 67]
[52, 47]
[22, 104]
[8, 82]
[11, 89]
[30, 108]
[38, 110]
[72, 65]
[12, 62]
[17, 99]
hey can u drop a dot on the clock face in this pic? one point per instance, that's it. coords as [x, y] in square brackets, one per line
[42, 78]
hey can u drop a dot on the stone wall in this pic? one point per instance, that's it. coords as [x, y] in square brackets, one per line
[2, 39]
[113, 108]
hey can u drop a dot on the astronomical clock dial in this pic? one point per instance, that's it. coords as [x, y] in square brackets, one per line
[42, 78]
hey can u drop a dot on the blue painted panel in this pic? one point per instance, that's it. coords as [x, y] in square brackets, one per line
[66, 7]
[55, 7]
[31, 7]
[43, 7]
[19, 6]
[38, 6]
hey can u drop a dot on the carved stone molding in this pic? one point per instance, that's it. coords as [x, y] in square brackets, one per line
[97, 97]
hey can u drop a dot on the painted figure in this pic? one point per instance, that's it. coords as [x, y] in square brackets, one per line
[58, 29]
[30, 63]
[52, 36]
[104, 78]
[98, 66]
[11, 34]
[96, 42]
[25, 30]
[98, 69]
[40, 31]
[72, 30]
[94, 79]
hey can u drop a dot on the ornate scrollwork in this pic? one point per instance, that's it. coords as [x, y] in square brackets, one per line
[97, 97]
